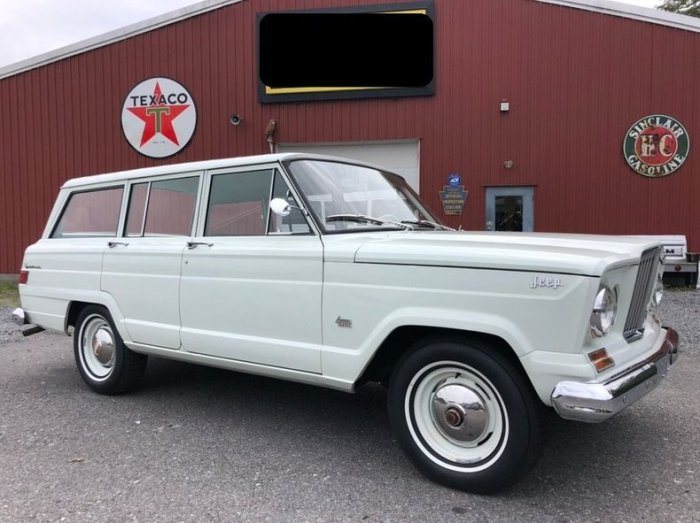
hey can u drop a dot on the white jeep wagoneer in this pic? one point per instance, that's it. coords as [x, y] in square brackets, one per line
[323, 271]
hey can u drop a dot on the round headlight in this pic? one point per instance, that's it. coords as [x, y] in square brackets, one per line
[604, 311]
[658, 291]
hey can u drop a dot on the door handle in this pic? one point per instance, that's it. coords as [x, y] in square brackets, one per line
[111, 245]
[192, 245]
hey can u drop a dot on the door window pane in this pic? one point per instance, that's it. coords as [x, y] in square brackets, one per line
[295, 222]
[509, 213]
[90, 214]
[238, 204]
[171, 207]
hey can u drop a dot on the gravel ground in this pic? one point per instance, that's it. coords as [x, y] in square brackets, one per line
[9, 331]
[681, 310]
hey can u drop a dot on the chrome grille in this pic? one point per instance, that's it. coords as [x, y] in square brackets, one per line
[643, 287]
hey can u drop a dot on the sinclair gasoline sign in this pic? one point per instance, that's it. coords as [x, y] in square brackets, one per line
[159, 117]
[656, 145]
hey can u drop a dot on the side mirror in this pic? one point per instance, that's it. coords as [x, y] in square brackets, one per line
[280, 207]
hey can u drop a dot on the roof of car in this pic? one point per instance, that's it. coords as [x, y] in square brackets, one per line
[194, 167]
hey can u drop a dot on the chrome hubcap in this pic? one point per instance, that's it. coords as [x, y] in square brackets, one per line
[97, 347]
[103, 346]
[459, 411]
[456, 416]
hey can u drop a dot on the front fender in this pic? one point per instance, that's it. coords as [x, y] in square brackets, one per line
[347, 364]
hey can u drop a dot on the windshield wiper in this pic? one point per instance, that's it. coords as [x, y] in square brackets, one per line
[363, 218]
[428, 223]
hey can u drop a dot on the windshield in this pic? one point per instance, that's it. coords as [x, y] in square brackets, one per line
[345, 197]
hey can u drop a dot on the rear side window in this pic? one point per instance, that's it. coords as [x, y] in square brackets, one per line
[162, 208]
[90, 214]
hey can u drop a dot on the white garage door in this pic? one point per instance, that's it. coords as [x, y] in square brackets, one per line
[399, 157]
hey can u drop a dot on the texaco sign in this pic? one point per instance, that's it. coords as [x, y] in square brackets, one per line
[159, 117]
[656, 145]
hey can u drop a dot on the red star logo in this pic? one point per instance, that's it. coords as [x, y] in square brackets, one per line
[159, 117]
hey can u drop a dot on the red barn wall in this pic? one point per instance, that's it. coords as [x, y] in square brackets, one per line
[576, 81]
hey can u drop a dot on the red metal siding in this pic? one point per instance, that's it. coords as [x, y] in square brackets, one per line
[576, 81]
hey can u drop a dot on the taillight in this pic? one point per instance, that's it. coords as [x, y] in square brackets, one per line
[23, 276]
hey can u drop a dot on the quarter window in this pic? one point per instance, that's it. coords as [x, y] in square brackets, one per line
[90, 214]
[295, 222]
[137, 209]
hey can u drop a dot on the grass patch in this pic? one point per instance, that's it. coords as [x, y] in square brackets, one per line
[9, 295]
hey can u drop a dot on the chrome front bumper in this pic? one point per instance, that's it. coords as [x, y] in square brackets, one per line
[596, 402]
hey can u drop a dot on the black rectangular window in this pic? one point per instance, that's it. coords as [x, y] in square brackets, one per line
[349, 52]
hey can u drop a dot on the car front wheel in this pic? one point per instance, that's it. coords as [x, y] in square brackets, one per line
[464, 415]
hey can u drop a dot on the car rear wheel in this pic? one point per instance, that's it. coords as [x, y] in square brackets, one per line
[464, 414]
[104, 362]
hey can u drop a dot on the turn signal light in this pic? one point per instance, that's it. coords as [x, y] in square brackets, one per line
[600, 360]
[23, 276]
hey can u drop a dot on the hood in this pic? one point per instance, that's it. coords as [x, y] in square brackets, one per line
[588, 255]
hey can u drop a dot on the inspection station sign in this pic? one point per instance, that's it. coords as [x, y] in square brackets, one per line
[656, 145]
[159, 117]
[453, 195]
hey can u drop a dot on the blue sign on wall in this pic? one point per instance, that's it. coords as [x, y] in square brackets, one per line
[453, 195]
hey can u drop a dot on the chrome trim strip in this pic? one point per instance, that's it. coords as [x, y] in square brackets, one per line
[596, 402]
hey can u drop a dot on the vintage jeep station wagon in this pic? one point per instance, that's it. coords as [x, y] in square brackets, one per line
[333, 273]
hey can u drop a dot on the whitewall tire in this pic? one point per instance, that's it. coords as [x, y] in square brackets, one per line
[465, 415]
[104, 362]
